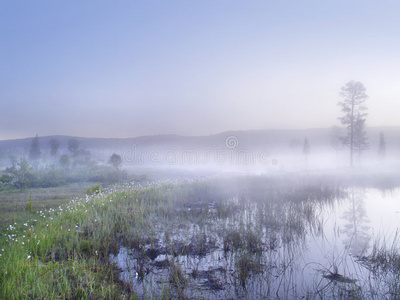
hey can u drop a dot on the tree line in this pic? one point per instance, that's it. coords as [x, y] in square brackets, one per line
[74, 168]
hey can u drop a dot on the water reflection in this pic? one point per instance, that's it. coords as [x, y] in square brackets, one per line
[356, 229]
[252, 238]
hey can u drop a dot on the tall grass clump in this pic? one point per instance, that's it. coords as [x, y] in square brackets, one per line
[384, 264]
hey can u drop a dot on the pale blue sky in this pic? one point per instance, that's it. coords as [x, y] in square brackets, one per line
[130, 68]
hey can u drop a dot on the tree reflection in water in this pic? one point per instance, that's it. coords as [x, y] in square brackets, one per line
[356, 229]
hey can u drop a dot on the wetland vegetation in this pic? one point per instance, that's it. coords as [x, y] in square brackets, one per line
[249, 237]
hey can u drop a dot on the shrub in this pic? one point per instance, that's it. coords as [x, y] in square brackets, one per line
[94, 190]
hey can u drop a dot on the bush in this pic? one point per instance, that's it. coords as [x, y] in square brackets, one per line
[94, 190]
[23, 175]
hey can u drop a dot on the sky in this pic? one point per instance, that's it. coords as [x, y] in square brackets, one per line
[131, 68]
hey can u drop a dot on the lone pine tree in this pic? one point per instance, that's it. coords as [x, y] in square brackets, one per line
[354, 109]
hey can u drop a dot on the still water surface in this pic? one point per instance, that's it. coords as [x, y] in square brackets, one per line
[304, 249]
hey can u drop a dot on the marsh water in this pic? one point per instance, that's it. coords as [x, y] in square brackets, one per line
[256, 240]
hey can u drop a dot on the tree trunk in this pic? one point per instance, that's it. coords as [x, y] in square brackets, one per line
[352, 132]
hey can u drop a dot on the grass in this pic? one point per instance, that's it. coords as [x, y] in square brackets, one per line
[13, 202]
[223, 238]
[64, 252]
[50, 257]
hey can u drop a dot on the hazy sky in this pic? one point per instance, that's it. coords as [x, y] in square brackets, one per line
[129, 68]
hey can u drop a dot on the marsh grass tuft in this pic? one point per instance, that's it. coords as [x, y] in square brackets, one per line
[94, 190]
[28, 204]
[246, 264]
[177, 279]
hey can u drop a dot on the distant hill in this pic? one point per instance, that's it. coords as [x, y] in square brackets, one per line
[246, 139]
[274, 140]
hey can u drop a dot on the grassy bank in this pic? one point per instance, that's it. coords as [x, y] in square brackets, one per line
[18, 205]
[50, 256]
[63, 252]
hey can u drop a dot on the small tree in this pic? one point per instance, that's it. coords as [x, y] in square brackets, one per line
[73, 146]
[34, 152]
[306, 149]
[64, 161]
[353, 106]
[115, 160]
[54, 144]
[382, 145]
